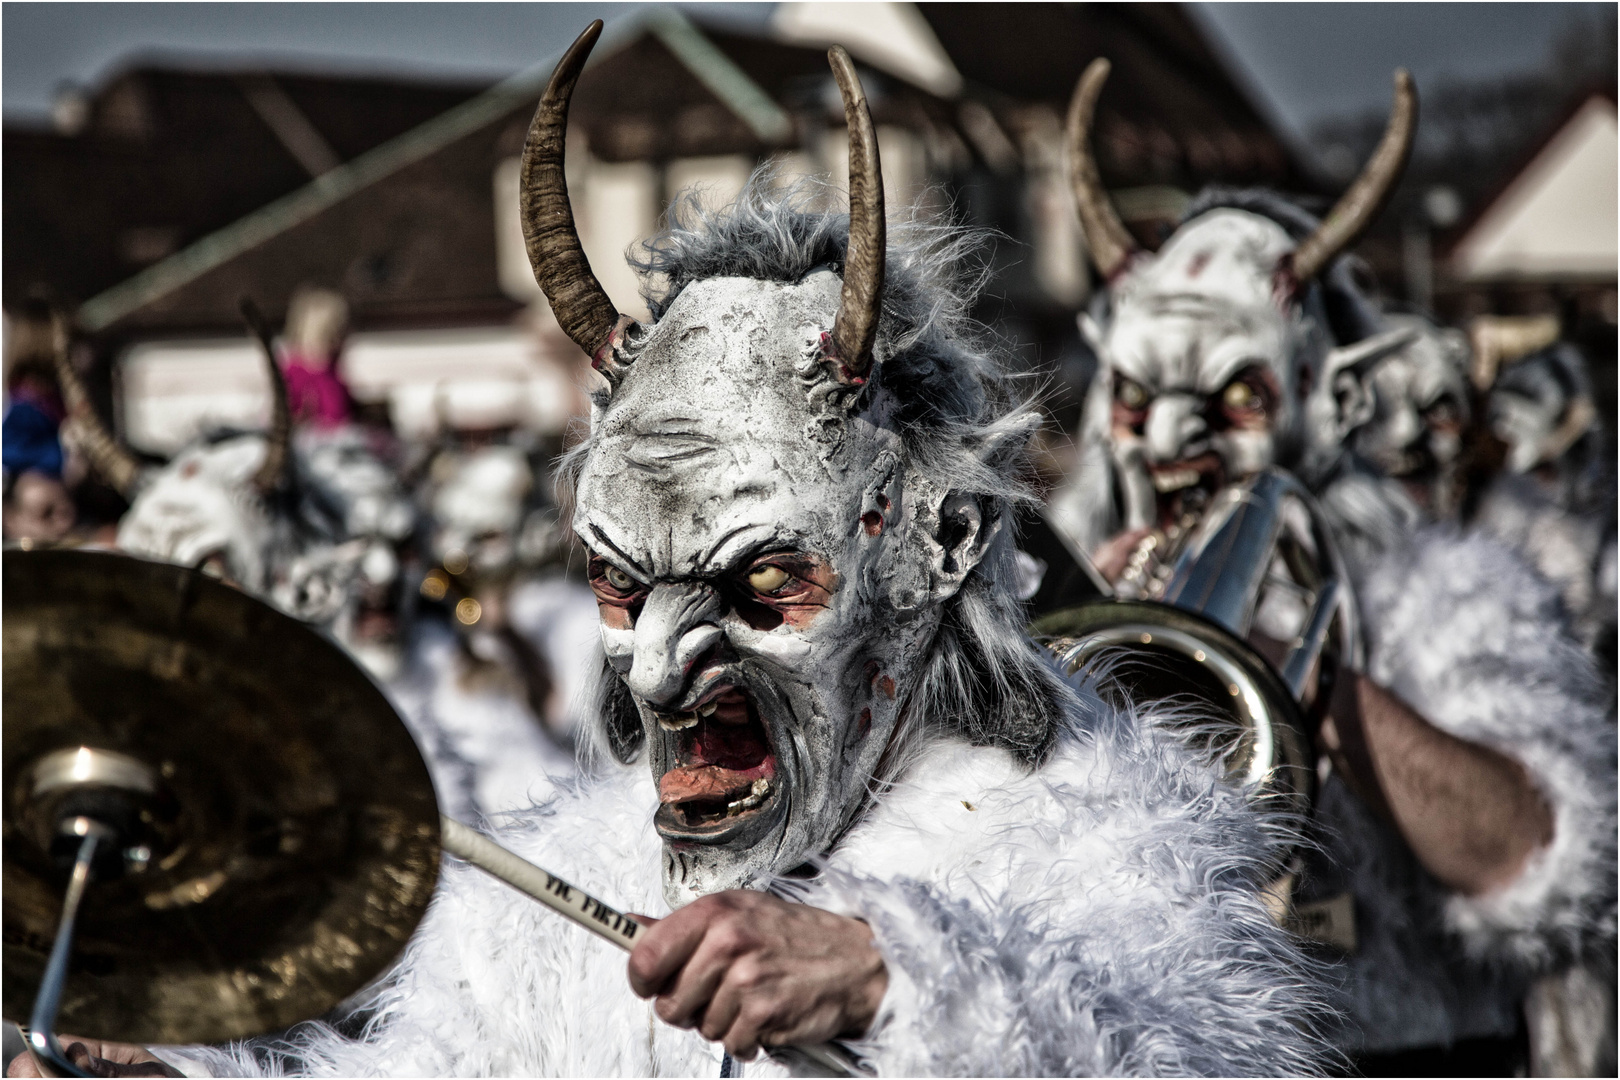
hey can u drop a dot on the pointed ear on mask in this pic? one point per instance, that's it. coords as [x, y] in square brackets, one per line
[999, 444]
[957, 540]
[961, 531]
[1347, 376]
[1090, 332]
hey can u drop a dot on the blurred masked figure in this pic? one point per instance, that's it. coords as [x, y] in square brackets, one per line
[1420, 411]
[1554, 498]
[519, 650]
[318, 523]
[1504, 441]
[1466, 822]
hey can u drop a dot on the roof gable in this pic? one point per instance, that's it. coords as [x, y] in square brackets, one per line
[1558, 217]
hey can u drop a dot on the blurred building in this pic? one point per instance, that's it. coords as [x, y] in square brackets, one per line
[163, 197]
[1554, 222]
[1507, 206]
[1545, 242]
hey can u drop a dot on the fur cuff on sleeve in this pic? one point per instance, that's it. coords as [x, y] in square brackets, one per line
[1463, 631]
[1096, 917]
[1003, 992]
[921, 1031]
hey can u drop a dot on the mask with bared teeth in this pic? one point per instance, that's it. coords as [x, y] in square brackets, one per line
[772, 567]
[755, 592]
[1215, 351]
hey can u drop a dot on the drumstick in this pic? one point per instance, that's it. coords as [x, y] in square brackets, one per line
[551, 890]
[469, 845]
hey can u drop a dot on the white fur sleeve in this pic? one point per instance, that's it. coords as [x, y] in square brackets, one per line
[494, 984]
[1463, 631]
[1095, 919]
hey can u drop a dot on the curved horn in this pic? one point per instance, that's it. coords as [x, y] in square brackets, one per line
[578, 300]
[1110, 242]
[272, 474]
[1366, 197]
[106, 454]
[861, 301]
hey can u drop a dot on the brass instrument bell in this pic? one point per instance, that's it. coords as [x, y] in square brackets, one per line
[1253, 623]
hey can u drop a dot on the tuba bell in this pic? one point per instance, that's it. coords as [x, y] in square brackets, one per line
[1252, 619]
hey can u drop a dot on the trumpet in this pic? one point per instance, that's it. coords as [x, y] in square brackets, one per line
[1252, 617]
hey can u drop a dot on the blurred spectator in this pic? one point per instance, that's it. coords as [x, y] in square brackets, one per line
[33, 420]
[37, 505]
[316, 322]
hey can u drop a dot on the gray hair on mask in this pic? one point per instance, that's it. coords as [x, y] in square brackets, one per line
[964, 422]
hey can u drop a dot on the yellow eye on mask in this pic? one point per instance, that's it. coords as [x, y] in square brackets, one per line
[1131, 394]
[1240, 395]
[767, 579]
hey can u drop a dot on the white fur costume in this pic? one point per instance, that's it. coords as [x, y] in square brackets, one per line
[1459, 628]
[487, 751]
[1095, 917]
[484, 748]
[1574, 550]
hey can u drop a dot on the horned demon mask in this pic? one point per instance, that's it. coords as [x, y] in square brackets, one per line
[1216, 357]
[313, 529]
[1541, 406]
[208, 508]
[1419, 409]
[771, 566]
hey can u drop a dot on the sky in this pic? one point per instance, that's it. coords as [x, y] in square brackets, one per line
[1307, 62]
[43, 45]
[1302, 61]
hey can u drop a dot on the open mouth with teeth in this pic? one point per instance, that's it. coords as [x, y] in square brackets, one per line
[1415, 461]
[1184, 486]
[723, 780]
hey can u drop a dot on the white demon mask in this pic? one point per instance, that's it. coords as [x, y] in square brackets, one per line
[208, 508]
[360, 568]
[770, 573]
[1212, 356]
[1205, 371]
[202, 510]
[479, 507]
[1540, 407]
[1418, 391]
[761, 591]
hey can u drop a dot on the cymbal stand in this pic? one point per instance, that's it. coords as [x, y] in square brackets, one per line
[42, 1041]
[86, 804]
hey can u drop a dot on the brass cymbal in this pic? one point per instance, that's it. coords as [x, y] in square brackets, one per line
[288, 822]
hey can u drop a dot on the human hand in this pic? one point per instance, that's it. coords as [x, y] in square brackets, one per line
[1112, 554]
[749, 970]
[100, 1059]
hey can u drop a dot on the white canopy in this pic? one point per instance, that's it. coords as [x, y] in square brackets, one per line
[173, 391]
[892, 36]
